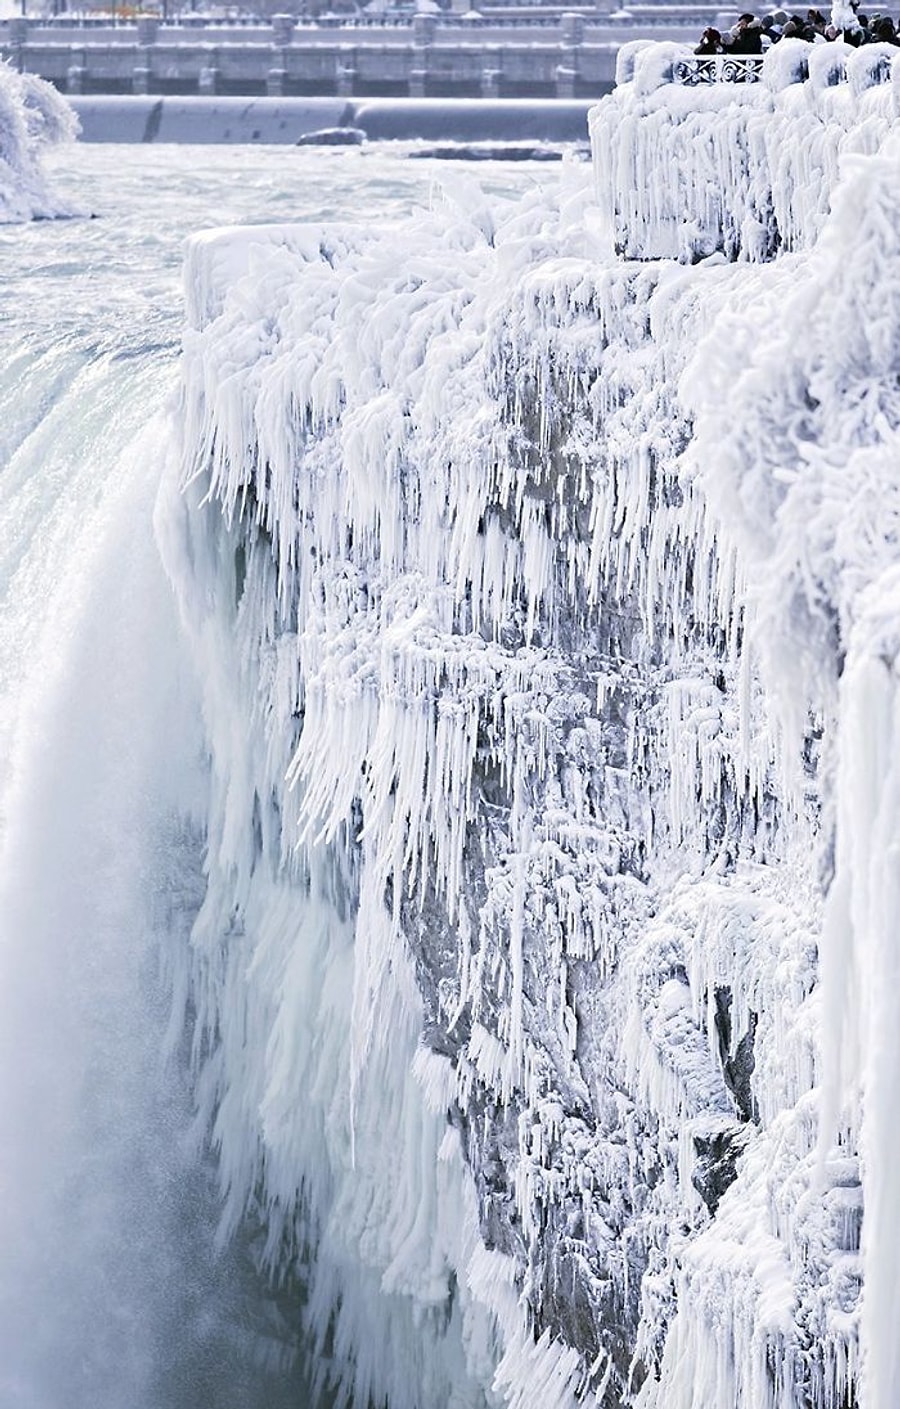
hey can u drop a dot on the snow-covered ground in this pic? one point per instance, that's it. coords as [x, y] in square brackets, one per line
[545, 605]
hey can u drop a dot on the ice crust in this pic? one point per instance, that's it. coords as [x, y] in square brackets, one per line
[745, 168]
[545, 993]
[32, 117]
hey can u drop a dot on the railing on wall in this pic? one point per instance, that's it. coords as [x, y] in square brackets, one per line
[872, 65]
[287, 59]
[718, 68]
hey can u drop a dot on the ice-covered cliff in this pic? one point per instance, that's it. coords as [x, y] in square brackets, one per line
[32, 116]
[544, 998]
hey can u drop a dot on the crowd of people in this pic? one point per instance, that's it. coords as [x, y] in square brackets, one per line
[752, 35]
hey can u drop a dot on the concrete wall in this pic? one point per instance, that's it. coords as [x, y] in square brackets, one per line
[574, 58]
[287, 120]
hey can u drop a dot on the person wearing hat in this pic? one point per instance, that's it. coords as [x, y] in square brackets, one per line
[747, 35]
[710, 42]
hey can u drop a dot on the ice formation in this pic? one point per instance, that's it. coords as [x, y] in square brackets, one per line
[747, 168]
[32, 116]
[545, 996]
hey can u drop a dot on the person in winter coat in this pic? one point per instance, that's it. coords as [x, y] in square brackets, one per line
[710, 42]
[747, 36]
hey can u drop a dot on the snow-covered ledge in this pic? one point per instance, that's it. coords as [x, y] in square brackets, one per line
[687, 169]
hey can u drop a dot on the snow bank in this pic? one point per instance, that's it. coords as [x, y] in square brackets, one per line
[544, 605]
[32, 116]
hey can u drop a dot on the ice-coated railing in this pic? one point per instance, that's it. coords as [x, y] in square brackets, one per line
[874, 65]
[687, 166]
[718, 68]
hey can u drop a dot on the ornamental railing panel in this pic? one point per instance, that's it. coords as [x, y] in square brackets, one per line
[718, 68]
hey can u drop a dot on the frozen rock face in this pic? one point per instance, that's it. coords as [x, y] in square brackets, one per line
[32, 116]
[544, 995]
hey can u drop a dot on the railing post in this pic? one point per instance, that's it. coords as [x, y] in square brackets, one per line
[18, 40]
[208, 82]
[565, 81]
[283, 30]
[282, 35]
[346, 76]
[490, 83]
[147, 29]
[572, 31]
[423, 33]
[76, 71]
[491, 70]
[423, 30]
[567, 71]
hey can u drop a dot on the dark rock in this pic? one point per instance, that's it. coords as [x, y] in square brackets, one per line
[716, 1169]
[333, 137]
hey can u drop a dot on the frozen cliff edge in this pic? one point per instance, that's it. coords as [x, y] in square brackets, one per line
[545, 996]
[32, 117]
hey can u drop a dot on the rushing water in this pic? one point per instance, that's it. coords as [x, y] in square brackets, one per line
[112, 1293]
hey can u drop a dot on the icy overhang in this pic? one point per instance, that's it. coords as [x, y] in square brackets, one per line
[685, 166]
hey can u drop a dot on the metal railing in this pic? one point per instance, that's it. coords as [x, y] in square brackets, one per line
[718, 68]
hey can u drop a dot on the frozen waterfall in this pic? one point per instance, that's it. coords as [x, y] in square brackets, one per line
[98, 859]
[113, 1294]
[476, 681]
[544, 608]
